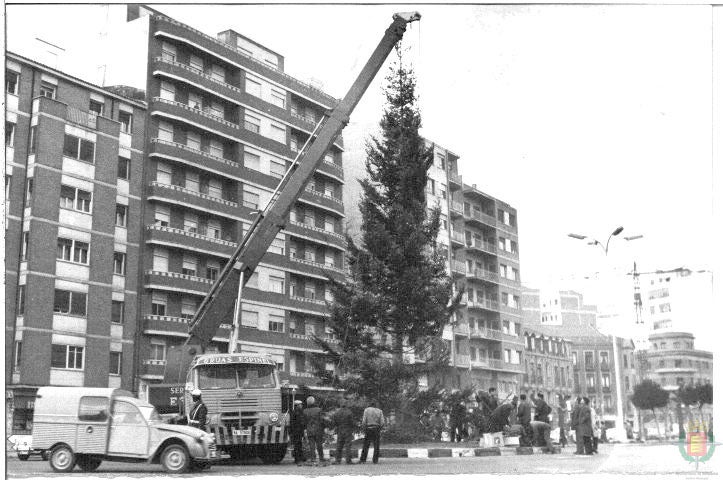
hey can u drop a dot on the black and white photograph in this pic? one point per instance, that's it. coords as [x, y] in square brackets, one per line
[253, 239]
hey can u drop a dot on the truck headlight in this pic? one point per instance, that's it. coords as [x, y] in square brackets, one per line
[274, 417]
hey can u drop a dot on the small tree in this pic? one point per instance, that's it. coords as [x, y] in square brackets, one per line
[648, 395]
[697, 396]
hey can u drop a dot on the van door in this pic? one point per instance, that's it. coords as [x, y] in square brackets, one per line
[129, 432]
[92, 430]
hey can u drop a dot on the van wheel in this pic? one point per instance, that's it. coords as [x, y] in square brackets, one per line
[175, 459]
[62, 459]
[23, 456]
[273, 454]
[88, 464]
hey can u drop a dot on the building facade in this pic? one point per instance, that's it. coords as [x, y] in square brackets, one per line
[672, 360]
[548, 367]
[74, 158]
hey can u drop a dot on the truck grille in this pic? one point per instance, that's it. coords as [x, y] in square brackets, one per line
[235, 401]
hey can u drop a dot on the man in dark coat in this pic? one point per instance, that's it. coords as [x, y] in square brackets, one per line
[542, 409]
[344, 423]
[197, 416]
[298, 425]
[456, 420]
[575, 425]
[585, 425]
[524, 416]
[501, 416]
[314, 430]
[437, 424]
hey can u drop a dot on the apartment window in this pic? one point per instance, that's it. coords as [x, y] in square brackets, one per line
[443, 191]
[121, 215]
[33, 139]
[190, 222]
[159, 301]
[71, 197]
[212, 269]
[218, 73]
[66, 356]
[252, 161]
[604, 358]
[329, 224]
[119, 263]
[196, 62]
[192, 182]
[678, 363]
[277, 246]
[124, 168]
[329, 259]
[278, 98]
[591, 380]
[160, 260]
[79, 149]
[216, 109]
[17, 354]
[276, 284]
[277, 169]
[11, 82]
[21, 300]
[309, 218]
[589, 358]
[47, 90]
[505, 327]
[9, 134]
[158, 352]
[188, 308]
[117, 311]
[251, 199]
[114, 367]
[213, 228]
[574, 358]
[193, 141]
[194, 101]
[293, 144]
[516, 354]
[507, 355]
[310, 329]
[277, 133]
[249, 319]
[69, 303]
[190, 264]
[253, 87]
[80, 252]
[165, 131]
[163, 173]
[440, 161]
[606, 380]
[126, 121]
[252, 123]
[25, 246]
[168, 52]
[96, 108]
[664, 307]
[162, 215]
[65, 247]
[214, 188]
[276, 323]
[430, 186]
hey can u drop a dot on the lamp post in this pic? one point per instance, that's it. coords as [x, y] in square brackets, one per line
[620, 421]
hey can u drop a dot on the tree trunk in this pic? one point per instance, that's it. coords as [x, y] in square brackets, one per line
[641, 426]
[657, 423]
[681, 425]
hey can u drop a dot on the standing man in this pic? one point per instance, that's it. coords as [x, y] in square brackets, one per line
[585, 427]
[197, 417]
[575, 425]
[542, 409]
[372, 423]
[298, 424]
[492, 399]
[437, 424]
[456, 420]
[344, 423]
[524, 416]
[315, 430]
[562, 419]
[595, 426]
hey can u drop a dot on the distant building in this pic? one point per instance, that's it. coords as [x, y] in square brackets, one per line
[548, 367]
[672, 360]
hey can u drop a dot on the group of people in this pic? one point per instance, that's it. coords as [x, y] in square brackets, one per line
[310, 423]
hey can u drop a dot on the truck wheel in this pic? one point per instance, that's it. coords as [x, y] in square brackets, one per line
[23, 456]
[62, 459]
[175, 459]
[88, 464]
[273, 454]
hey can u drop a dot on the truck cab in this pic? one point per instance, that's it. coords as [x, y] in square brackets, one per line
[85, 426]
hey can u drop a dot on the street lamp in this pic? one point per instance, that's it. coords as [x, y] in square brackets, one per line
[620, 422]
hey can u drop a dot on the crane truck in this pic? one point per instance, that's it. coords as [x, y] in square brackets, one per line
[242, 392]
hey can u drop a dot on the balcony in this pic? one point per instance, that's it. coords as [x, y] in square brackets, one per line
[79, 117]
[181, 111]
[175, 281]
[323, 266]
[197, 241]
[461, 329]
[314, 233]
[456, 209]
[455, 181]
[461, 360]
[457, 238]
[153, 369]
[482, 274]
[589, 366]
[165, 326]
[486, 333]
[606, 389]
[308, 300]
[331, 169]
[324, 195]
[515, 311]
[486, 247]
[485, 304]
[229, 53]
[458, 267]
[190, 156]
[482, 218]
[190, 198]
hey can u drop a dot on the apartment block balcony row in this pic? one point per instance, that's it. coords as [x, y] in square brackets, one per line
[464, 361]
[230, 54]
[481, 218]
[76, 116]
[483, 333]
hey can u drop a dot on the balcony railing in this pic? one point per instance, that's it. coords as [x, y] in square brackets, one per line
[482, 217]
[457, 236]
[303, 118]
[488, 247]
[453, 177]
[457, 207]
[332, 100]
[339, 168]
[317, 265]
[307, 300]
[200, 234]
[183, 276]
[483, 274]
[316, 229]
[462, 328]
[313, 191]
[86, 119]
[205, 196]
[461, 360]
[486, 303]
[486, 333]
[196, 151]
[198, 111]
[458, 266]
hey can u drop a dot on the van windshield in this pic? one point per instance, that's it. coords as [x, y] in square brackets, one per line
[150, 413]
[240, 375]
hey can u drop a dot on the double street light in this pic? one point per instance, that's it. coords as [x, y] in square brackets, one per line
[620, 430]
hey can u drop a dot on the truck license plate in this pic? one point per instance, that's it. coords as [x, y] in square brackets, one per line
[243, 431]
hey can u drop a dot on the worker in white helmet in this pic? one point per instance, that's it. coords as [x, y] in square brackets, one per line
[197, 417]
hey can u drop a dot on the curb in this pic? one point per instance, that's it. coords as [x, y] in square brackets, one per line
[445, 452]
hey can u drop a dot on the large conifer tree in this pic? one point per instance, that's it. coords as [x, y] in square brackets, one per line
[399, 296]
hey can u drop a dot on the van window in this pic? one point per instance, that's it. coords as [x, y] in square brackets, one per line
[93, 409]
[126, 414]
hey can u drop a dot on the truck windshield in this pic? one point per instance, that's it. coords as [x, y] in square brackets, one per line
[234, 376]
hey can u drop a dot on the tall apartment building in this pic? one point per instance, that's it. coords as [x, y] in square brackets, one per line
[593, 363]
[225, 123]
[74, 160]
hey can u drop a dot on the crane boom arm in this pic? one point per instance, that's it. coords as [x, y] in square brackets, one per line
[219, 302]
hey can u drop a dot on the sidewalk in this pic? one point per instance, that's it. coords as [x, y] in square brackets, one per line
[443, 449]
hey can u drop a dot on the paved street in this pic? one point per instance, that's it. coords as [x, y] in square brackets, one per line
[613, 459]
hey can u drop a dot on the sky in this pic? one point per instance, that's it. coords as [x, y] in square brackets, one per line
[584, 118]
